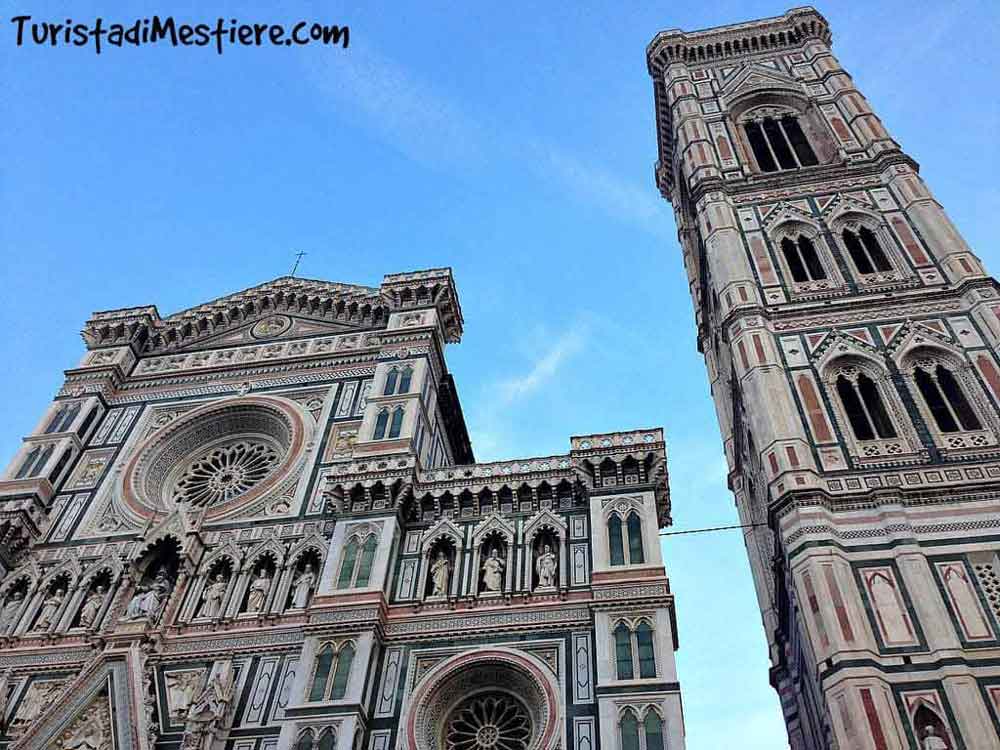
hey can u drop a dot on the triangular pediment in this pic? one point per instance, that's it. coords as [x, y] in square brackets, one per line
[93, 711]
[271, 327]
[755, 78]
[285, 307]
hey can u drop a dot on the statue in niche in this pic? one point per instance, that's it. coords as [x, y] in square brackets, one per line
[50, 607]
[181, 688]
[10, 609]
[546, 567]
[258, 591]
[302, 588]
[207, 716]
[493, 572]
[932, 741]
[440, 574]
[91, 607]
[148, 600]
[212, 596]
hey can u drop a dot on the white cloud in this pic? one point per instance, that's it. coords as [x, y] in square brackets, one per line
[545, 368]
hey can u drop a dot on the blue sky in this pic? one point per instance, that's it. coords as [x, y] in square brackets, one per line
[514, 143]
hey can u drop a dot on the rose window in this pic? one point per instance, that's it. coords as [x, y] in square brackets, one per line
[492, 721]
[220, 457]
[225, 472]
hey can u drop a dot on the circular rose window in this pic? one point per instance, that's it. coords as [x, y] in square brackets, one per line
[491, 721]
[217, 457]
[226, 471]
[493, 698]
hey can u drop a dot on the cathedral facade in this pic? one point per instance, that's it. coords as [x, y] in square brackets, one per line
[258, 524]
[850, 336]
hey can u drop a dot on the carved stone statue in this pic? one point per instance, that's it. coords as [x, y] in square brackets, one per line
[932, 741]
[206, 718]
[302, 588]
[149, 600]
[10, 610]
[545, 567]
[4, 689]
[92, 606]
[440, 575]
[493, 572]
[50, 607]
[89, 735]
[212, 596]
[37, 699]
[181, 689]
[258, 591]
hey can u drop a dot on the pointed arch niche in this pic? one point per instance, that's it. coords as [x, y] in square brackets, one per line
[544, 529]
[492, 533]
[443, 537]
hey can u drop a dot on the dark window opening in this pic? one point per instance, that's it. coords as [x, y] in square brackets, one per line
[805, 153]
[935, 401]
[760, 149]
[778, 144]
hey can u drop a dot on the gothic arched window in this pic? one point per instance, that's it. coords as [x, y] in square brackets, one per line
[945, 398]
[347, 564]
[623, 652]
[644, 647]
[324, 665]
[635, 549]
[630, 730]
[865, 251]
[340, 676]
[381, 422]
[616, 544]
[28, 462]
[864, 407]
[332, 671]
[365, 563]
[652, 728]
[625, 544]
[779, 143]
[405, 379]
[802, 259]
[397, 422]
[356, 567]
[305, 741]
[390, 382]
[56, 420]
[328, 741]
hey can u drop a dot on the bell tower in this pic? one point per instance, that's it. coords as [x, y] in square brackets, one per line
[850, 337]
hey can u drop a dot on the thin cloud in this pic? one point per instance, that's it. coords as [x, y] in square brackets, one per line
[544, 369]
[434, 130]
